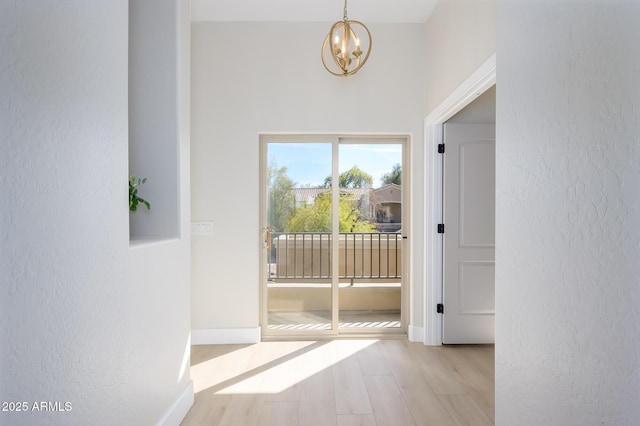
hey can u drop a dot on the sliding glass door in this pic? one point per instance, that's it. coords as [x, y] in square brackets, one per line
[370, 218]
[332, 235]
[298, 237]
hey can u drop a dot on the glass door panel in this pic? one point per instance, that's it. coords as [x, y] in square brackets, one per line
[298, 238]
[370, 240]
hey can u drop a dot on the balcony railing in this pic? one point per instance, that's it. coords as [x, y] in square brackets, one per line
[306, 256]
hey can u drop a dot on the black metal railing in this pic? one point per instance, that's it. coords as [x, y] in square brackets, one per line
[306, 256]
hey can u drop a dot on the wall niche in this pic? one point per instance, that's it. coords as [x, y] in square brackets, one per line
[153, 118]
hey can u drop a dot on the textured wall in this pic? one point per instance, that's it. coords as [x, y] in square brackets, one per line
[568, 214]
[78, 320]
[460, 37]
[64, 213]
[237, 95]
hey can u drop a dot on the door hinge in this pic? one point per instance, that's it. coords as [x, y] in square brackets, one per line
[441, 228]
[440, 308]
[440, 148]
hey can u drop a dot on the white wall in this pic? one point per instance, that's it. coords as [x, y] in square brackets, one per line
[568, 214]
[249, 78]
[481, 111]
[159, 139]
[460, 37]
[79, 321]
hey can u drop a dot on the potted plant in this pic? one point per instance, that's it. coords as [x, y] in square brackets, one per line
[134, 199]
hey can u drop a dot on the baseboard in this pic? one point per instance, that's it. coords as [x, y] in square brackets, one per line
[180, 407]
[415, 334]
[221, 336]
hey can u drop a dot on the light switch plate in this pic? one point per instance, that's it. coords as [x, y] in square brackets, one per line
[202, 228]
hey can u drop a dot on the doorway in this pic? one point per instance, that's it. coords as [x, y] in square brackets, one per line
[476, 84]
[334, 220]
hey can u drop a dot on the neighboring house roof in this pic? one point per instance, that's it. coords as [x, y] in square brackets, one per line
[308, 195]
[385, 195]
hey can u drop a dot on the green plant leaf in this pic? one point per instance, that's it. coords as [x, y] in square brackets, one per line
[134, 199]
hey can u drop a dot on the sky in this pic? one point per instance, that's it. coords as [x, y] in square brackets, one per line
[310, 163]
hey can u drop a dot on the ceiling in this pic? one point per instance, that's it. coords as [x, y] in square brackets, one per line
[367, 11]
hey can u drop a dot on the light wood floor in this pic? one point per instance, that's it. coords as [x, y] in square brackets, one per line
[342, 382]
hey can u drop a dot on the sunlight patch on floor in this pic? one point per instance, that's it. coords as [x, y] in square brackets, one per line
[226, 367]
[232, 373]
[358, 324]
[321, 320]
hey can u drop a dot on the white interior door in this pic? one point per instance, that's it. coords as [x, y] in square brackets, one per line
[469, 238]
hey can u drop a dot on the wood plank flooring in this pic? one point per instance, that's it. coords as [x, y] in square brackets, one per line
[342, 382]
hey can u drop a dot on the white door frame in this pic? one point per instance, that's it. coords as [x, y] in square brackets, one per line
[475, 85]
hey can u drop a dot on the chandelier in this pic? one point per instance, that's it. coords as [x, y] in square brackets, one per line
[342, 53]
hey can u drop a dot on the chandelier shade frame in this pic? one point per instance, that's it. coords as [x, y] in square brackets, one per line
[342, 53]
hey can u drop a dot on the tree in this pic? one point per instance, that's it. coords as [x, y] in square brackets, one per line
[316, 217]
[281, 197]
[395, 176]
[352, 178]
